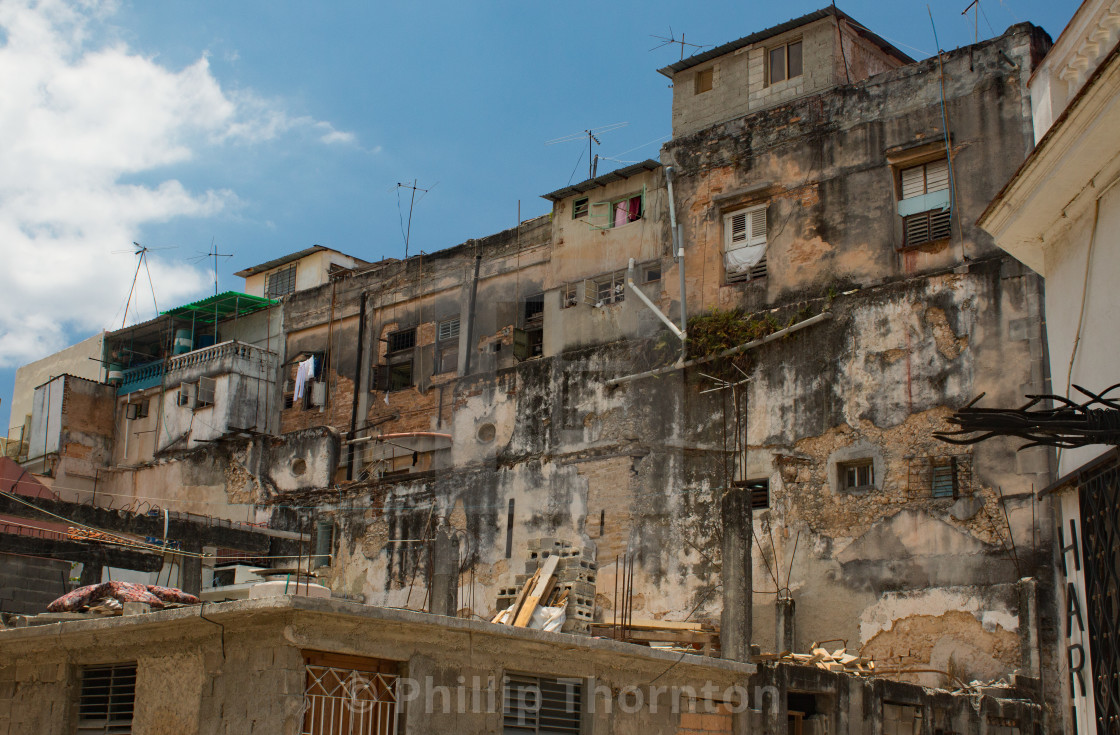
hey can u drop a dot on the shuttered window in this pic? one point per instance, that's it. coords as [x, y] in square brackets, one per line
[744, 234]
[449, 329]
[281, 282]
[920, 187]
[541, 705]
[107, 699]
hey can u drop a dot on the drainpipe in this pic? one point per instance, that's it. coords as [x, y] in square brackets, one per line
[358, 372]
[470, 317]
[652, 307]
[678, 255]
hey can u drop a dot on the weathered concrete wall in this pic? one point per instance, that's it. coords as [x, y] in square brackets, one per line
[81, 360]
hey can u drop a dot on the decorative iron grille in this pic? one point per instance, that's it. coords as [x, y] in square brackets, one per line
[107, 699]
[1100, 528]
[349, 702]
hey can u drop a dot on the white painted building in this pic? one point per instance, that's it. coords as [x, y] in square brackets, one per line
[1060, 215]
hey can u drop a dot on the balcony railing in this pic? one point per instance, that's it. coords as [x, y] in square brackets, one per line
[141, 377]
[238, 356]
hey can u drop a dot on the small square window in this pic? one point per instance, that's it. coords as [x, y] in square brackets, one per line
[651, 273]
[759, 490]
[540, 704]
[784, 62]
[107, 698]
[404, 339]
[704, 80]
[610, 289]
[449, 359]
[449, 329]
[400, 375]
[857, 475]
[580, 208]
[534, 308]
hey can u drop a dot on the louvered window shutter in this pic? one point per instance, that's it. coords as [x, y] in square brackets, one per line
[737, 231]
[937, 175]
[758, 226]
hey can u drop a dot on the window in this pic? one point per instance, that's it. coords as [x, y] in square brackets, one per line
[744, 237]
[570, 297]
[400, 375]
[759, 490]
[528, 343]
[534, 308]
[610, 289]
[539, 705]
[404, 339]
[626, 210]
[448, 329]
[784, 62]
[580, 208]
[704, 80]
[651, 273]
[134, 411]
[901, 719]
[350, 694]
[924, 203]
[281, 282]
[205, 395]
[107, 698]
[943, 478]
[857, 475]
[185, 396]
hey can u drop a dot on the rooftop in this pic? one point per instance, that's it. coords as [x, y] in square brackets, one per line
[789, 25]
[617, 175]
[291, 257]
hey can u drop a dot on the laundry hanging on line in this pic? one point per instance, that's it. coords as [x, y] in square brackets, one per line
[305, 372]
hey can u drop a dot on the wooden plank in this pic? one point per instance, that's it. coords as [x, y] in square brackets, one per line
[544, 575]
[522, 595]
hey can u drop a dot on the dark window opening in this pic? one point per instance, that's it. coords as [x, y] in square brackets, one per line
[580, 208]
[651, 273]
[404, 339]
[704, 81]
[857, 475]
[534, 307]
[449, 359]
[400, 375]
[541, 705]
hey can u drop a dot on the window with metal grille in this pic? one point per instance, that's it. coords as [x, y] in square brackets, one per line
[349, 694]
[939, 476]
[404, 339]
[943, 478]
[107, 698]
[759, 490]
[570, 296]
[857, 475]
[541, 705]
[449, 329]
[924, 203]
[610, 289]
[281, 282]
[744, 244]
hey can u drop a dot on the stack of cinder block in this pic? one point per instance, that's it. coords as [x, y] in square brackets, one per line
[576, 571]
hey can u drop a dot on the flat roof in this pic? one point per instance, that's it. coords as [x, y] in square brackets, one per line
[291, 257]
[789, 25]
[617, 175]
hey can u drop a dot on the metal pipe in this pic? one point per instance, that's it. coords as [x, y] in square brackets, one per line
[401, 435]
[470, 318]
[678, 255]
[645, 300]
[726, 353]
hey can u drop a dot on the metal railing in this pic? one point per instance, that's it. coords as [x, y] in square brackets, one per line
[343, 700]
[141, 377]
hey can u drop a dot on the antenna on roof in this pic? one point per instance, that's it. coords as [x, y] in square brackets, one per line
[213, 253]
[592, 135]
[142, 251]
[671, 39]
[975, 18]
[412, 203]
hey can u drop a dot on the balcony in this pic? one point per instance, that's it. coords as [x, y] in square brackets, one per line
[235, 357]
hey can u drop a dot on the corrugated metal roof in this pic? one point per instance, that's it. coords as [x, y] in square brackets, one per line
[789, 25]
[222, 306]
[617, 175]
[269, 265]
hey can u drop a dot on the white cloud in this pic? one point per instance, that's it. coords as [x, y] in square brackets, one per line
[76, 118]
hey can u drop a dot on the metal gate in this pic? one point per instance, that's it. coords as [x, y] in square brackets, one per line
[1100, 527]
[349, 702]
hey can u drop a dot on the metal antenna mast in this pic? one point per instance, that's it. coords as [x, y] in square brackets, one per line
[592, 138]
[671, 39]
[213, 253]
[411, 204]
[142, 251]
[975, 18]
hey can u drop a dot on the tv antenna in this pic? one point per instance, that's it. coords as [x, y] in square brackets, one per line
[672, 39]
[411, 204]
[592, 135]
[141, 251]
[213, 253]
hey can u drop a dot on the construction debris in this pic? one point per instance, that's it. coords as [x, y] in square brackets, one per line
[557, 575]
[839, 660]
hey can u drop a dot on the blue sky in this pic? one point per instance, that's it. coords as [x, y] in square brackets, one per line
[266, 127]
